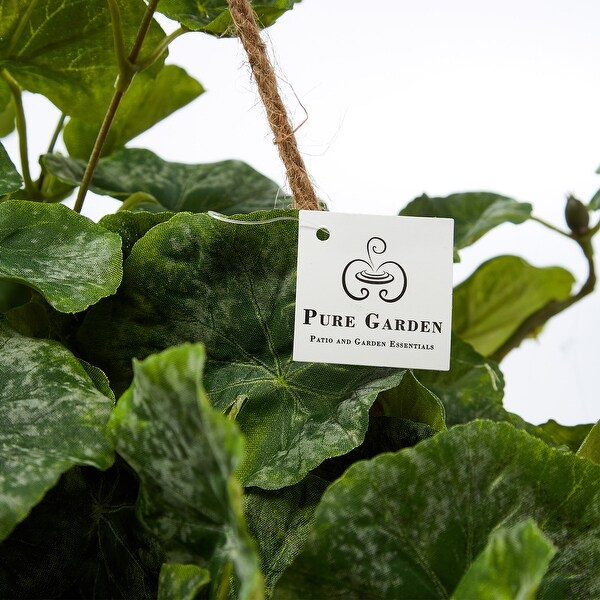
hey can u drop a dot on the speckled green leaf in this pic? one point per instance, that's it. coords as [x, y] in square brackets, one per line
[181, 582]
[10, 180]
[231, 286]
[280, 522]
[228, 187]
[510, 566]
[409, 525]
[491, 304]
[474, 213]
[70, 260]
[51, 418]
[147, 101]
[65, 50]
[590, 448]
[412, 400]
[185, 454]
[212, 16]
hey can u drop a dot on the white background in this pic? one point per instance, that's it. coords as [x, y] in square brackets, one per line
[431, 96]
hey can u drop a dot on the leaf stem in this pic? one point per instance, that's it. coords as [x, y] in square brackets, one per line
[57, 130]
[59, 126]
[552, 227]
[21, 26]
[157, 53]
[127, 70]
[21, 124]
[594, 230]
[543, 315]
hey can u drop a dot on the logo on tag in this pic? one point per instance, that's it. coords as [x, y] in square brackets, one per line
[388, 276]
[374, 290]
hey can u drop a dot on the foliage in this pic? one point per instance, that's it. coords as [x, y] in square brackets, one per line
[226, 469]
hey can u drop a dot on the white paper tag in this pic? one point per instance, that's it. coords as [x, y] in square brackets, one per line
[377, 291]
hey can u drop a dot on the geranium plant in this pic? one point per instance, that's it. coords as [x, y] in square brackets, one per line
[156, 437]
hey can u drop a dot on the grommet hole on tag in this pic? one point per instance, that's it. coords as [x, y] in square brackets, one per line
[323, 234]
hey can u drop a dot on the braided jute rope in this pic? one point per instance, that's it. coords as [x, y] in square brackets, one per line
[266, 81]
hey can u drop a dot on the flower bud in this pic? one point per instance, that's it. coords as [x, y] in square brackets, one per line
[576, 215]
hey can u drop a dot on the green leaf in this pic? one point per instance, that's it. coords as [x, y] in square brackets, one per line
[141, 201]
[473, 388]
[385, 434]
[408, 525]
[474, 213]
[99, 379]
[65, 50]
[212, 16]
[12, 294]
[38, 319]
[10, 180]
[132, 226]
[52, 189]
[491, 304]
[595, 201]
[198, 279]
[83, 541]
[511, 565]
[185, 454]
[590, 448]
[42, 555]
[7, 110]
[181, 582]
[122, 558]
[52, 417]
[70, 260]
[280, 522]
[412, 400]
[228, 187]
[571, 436]
[147, 101]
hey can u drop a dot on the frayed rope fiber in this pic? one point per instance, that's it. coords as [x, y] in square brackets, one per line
[266, 81]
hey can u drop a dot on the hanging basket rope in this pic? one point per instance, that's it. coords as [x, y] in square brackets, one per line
[266, 81]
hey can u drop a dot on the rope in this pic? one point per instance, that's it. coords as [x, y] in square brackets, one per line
[264, 74]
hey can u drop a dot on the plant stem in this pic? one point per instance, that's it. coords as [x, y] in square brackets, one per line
[22, 132]
[127, 70]
[142, 31]
[543, 315]
[97, 150]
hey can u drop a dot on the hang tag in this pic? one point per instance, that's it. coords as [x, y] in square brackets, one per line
[374, 290]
